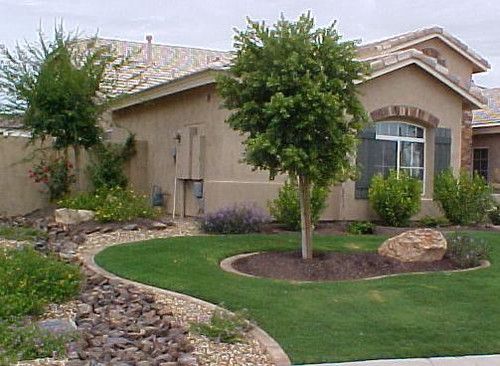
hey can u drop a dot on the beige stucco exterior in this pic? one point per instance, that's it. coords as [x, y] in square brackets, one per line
[489, 138]
[18, 193]
[183, 140]
[226, 180]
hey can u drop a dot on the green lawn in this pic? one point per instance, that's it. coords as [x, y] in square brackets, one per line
[407, 316]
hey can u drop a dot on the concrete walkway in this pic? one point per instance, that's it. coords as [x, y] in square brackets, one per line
[493, 360]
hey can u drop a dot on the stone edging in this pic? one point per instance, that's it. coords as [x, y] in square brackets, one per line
[227, 265]
[274, 350]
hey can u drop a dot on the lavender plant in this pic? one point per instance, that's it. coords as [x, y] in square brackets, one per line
[240, 218]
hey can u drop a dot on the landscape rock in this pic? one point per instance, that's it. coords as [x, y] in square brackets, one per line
[131, 227]
[57, 326]
[68, 216]
[421, 245]
[157, 225]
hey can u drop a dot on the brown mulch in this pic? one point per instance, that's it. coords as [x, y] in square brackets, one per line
[331, 266]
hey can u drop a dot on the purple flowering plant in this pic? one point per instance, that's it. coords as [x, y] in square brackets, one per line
[240, 218]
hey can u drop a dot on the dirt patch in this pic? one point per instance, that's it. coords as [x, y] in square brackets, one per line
[331, 266]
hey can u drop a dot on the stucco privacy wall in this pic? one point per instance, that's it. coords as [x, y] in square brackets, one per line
[226, 180]
[18, 193]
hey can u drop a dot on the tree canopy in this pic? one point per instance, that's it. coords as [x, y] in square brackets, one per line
[292, 90]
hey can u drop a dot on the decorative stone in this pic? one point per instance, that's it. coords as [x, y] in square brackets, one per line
[68, 216]
[157, 225]
[131, 227]
[421, 245]
[57, 326]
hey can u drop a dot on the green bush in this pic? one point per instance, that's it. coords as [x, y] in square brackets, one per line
[224, 326]
[395, 198]
[56, 176]
[466, 250]
[106, 168]
[19, 341]
[431, 221]
[112, 204]
[21, 233]
[29, 281]
[286, 207]
[494, 215]
[360, 228]
[465, 199]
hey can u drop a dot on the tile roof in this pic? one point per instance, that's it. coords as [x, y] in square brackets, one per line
[389, 45]
[385, 61]
[154, 64]
[158, 64]
[490, 114]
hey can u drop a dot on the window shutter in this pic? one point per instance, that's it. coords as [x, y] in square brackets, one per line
[364, 162]
[442, 151]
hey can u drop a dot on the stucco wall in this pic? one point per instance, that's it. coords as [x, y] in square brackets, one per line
[413, 87]
[18, 193]
[455, 62]
[492, 143]
[227, 180]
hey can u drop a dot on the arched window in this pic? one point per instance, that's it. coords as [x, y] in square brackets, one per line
[390, 145]
[402, 148]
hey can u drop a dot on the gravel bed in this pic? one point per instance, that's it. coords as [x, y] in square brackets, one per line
[181, 311]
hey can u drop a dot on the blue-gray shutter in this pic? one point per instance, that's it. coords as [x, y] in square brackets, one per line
[364, 162]
[442, 151]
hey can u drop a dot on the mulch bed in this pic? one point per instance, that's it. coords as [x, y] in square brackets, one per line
[331, 266]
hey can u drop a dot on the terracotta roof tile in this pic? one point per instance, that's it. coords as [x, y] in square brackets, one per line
[387, 45]
[491, 114]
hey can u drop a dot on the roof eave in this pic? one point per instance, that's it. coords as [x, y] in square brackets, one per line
[399, 65]
[187, 82]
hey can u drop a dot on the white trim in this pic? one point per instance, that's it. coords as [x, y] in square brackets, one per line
[464, 53]
[191, 81]
[485, 124]
[465, 94]
[399, 139]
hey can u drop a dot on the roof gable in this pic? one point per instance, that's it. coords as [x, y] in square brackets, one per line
[406, 40]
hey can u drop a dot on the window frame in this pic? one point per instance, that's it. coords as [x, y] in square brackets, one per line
[399, 140]
[487, 177]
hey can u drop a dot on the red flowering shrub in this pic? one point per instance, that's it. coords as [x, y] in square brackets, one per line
[55, 175]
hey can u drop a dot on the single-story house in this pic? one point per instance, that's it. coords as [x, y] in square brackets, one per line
[486, 139]
[420, 95]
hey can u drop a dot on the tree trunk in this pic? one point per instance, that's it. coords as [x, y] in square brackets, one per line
[76, 150]
[305, 216]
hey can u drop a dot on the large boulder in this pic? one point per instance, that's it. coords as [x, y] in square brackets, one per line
[68, 216]
[421, 245]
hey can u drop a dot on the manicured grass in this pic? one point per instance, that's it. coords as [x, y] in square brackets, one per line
[407, 316]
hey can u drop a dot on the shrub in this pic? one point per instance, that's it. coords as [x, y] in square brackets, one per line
[19, 341]
[55, 175]
[112, 204]
[29, 281]
[106, 168]
[224, 326]
[467, 251]
[236, 219]
[465, 200]
[494, 215]
[21, 233]
[286, 207]
[360, 227]
[430, 221]
[395, 198]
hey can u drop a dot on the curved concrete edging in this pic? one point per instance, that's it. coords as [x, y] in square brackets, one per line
[276, 353]
[227, 265]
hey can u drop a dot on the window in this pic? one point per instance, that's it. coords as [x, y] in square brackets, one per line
[402, 149]
[480, 162]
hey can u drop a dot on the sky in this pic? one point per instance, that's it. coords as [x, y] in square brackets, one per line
[210, 23]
